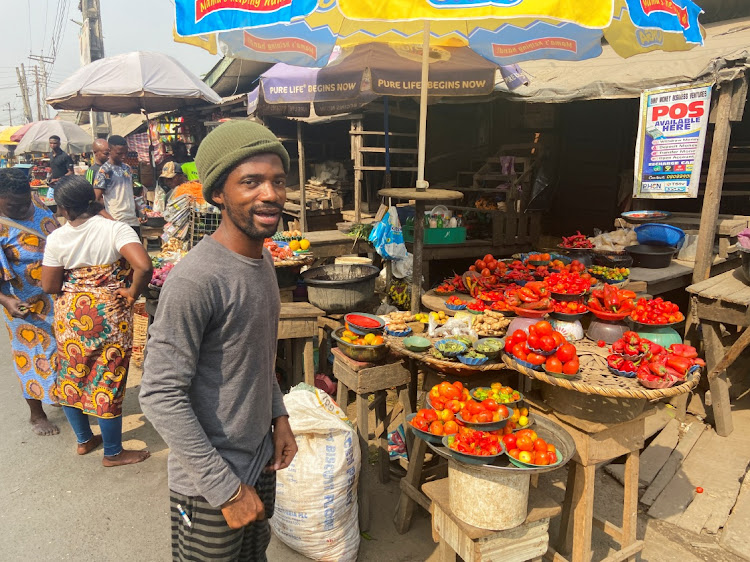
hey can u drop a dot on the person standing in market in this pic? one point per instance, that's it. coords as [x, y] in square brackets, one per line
[172, 176]
[113, 185]
[87, 265]
[101, 155]
[25, 223]
[209, 385]
[60, 163]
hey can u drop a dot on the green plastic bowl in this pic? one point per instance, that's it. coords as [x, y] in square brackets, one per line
[417, 344]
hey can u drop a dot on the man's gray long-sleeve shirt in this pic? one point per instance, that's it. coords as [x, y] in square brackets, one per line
[209, 385]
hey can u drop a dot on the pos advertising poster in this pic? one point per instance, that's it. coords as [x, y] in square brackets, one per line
[671, 135]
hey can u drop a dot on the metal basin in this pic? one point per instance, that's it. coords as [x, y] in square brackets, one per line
[340, 288]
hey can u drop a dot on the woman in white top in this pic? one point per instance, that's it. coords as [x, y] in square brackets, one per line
[97, 268]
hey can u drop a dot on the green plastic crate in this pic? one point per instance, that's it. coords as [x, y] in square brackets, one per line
[438, 236]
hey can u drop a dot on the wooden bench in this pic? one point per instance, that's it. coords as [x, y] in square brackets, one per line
[724, 299]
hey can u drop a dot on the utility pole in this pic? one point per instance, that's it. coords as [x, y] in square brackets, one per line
[92, 49]
[24, 93]
[38, 101]
[10, 115]
[43, 86]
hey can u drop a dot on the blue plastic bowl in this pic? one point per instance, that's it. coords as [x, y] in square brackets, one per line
[660, 234]
[401, 334]
[455, 306]
[619, 373]
[473, 361]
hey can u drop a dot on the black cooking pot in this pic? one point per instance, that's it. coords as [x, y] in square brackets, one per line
[650, 256]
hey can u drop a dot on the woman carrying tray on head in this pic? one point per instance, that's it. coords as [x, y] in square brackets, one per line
[85, 266]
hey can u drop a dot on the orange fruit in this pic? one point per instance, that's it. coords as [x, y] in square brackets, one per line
[294, 245]
[304, 244]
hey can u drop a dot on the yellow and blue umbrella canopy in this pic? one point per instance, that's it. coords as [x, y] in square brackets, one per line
[304, 32]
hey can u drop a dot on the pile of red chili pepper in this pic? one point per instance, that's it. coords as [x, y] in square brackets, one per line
[578, 240]
[532, 296]
[656, 311]
[611, 299]
[670, 364]
[568, 283]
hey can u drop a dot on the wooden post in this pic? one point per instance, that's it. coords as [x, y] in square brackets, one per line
[302, 179]
[357, 157]
[704, 254]
[719, 385]
[416, 279]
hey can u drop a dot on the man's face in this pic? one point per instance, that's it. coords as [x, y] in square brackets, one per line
[54, 144]
[254, 195]
[16, 206]
[101, 154]
[173, 182]
[118, 153]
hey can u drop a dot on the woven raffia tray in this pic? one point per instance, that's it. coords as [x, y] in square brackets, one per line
[593, 377]
[295, 261]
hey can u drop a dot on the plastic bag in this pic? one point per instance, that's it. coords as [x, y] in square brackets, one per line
[160, 199]
[316, 496]
[387, 237]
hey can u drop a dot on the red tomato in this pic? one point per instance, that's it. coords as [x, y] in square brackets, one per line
[486, 272]
[480, 265]
[540, 445]
[532, 330]
[459, 385]
[484, 417]
[488, 257]
[541, 458]
[571, 367]
[453, 405]
[448, 391]
[524, 443]
[530, 433]
[566, 352]
[509, 441]
[430, 415]
[472, 268]
[514, 453]
[436, 428]
[525, 456]
[474, 407]
[547, 343]
[553, 364]
[534, 341]
[421, 424]
[558, 337]
[551, 448]
[490, 404]
[450, 427]
[519, 336]
[502, 409]
[446, 415]
[492, 264]
[535, 358]
[544, 328]
[519, 351]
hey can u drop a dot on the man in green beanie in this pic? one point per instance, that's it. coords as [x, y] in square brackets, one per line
[209, 385]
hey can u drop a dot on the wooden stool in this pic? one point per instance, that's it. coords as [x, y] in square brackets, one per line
[298, 322]
[365, 379]
[528, 541]
[597, 443]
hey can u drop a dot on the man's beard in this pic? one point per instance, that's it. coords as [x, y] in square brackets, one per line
[247, 223]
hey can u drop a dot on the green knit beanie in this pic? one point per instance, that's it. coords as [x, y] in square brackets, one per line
[231, 143]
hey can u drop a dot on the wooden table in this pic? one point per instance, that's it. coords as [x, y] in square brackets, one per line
[366, 379]
[298, 324]
[527, 541]
[724, 299]
[677, 276]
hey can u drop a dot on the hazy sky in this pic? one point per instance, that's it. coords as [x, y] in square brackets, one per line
[128, 25]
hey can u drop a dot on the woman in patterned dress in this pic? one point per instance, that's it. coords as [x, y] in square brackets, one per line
[24, 225]
[88, 264]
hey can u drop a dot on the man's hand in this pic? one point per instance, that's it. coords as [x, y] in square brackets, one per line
[245, 509]
[143, 220]
[284, 445]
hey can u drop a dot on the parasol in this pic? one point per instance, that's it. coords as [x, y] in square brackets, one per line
[18, 135]
[73, 139]
[131, 83]
[6, 133]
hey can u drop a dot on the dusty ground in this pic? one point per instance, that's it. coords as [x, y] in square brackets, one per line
[59, 506]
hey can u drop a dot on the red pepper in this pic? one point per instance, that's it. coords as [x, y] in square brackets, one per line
[684, 350]
[527, 295]
[679, 364]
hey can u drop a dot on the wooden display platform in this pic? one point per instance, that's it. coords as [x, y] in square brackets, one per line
[436, 302]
